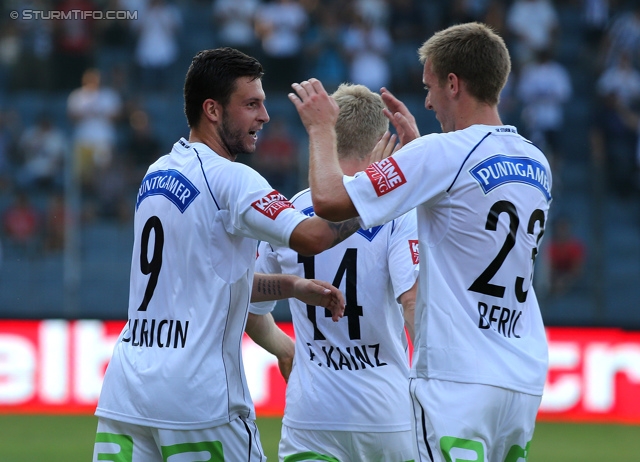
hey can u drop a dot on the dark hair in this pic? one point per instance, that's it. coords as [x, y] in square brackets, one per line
[212, 75]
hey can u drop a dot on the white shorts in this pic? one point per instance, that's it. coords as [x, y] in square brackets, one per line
[237, 441]
[298, 445]
[468, 421]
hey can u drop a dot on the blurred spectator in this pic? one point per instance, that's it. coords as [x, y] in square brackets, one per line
[373, 11]
[21, 223]
[142, 147]
[10, 130]
[54, 223]
[595, 17]
[566, 258]
[43, 148]
[276, 157]
[614, 144]
[74, 42]
[495, 16]
[112, 198]
[368, 47]
[534, 26]
[115, 39]
[280, 26]
[119, 80]
[509, 106]
[94, 109]
[407, 34]
[234, 23]
[157, 44]
[324, 52]
[622, 80]
[469, 10]
[543, 89]
[33, 67]
[9, 52]
[623, 36]
[615, 131]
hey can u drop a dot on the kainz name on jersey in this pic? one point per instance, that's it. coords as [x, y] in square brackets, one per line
[159, 333]
[385, 176]
[171, 184]
[352, 358]
[501, 169]
[272, 204]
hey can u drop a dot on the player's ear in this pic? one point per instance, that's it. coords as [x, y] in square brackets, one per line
[212, 110]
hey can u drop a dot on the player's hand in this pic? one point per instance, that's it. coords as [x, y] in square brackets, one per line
[320, 293]
[385, 147]
[400, 116]
[314, 105]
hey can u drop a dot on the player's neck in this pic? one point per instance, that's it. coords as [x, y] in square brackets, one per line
[473, 112]
[351, 166]
[212, 141]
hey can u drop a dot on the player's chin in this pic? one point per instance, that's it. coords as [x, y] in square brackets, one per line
[251, 143]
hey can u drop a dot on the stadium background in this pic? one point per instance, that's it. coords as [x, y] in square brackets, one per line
[85, 275]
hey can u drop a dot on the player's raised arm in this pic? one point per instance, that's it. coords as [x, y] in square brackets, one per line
[319, 113]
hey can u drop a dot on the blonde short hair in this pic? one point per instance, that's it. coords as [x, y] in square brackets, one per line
[361, 122]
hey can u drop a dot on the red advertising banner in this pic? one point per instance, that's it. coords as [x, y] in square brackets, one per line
[594, 375]
[57, 366]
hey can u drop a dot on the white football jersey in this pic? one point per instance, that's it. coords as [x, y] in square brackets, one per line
[351, 375]
[177, 363]
[482, 197]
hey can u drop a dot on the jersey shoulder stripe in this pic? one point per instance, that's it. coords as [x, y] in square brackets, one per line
[465, 160]
[206, 180]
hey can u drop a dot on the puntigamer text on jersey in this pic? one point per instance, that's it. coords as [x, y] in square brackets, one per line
[500, 169]
[171, 184]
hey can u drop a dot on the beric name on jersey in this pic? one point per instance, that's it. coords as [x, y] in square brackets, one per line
[501, 319]
[159, 333]
[352, 358]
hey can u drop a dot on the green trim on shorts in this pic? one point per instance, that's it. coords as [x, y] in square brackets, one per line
[517, 452]
[309, 455]
[214, 448]
[447, 443]
[125, 454]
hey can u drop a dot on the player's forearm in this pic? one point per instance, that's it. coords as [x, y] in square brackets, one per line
[329, 196]
[409, 312]
[263, 330]
[316, 234]
[408, 302]
[269, 287]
